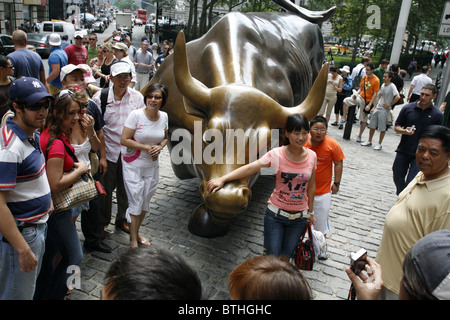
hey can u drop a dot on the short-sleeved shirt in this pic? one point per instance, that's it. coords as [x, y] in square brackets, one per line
[57, 149]
[292, 178]
[369, 87]
[328, 152]
[116, 113]
[76, 55]
[422, 208]
[58, 56]
[419, 81]
[410, 115]
[26, 63]
[23, 174]
[387, 94]
[147, 132]
[145, 58]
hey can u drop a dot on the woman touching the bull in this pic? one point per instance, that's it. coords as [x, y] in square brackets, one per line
[291, 202]
[144, 135]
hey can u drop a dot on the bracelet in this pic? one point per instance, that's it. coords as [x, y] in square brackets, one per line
[337, 184]
[94, 135]
[311, 213]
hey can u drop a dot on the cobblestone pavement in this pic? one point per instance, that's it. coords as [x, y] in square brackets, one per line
[357, 217]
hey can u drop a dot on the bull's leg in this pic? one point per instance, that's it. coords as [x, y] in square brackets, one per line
[206, 224]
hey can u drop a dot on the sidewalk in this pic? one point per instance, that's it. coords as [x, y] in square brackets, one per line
[357, 216]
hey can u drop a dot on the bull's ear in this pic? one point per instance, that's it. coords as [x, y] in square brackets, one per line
[193, 110]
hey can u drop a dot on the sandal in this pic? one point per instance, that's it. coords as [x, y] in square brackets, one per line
[143, 242]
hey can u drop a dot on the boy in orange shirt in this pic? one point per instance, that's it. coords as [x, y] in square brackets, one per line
[329, 155]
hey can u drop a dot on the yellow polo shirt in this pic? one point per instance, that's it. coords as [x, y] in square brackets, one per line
[421, 208]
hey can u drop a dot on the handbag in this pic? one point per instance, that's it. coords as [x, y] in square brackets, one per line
[83, 190]
[304, 255]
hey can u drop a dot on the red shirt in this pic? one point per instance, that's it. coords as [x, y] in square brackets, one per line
[57, 149]
[76, 55]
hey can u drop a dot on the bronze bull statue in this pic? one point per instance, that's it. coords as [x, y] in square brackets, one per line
[247, 75]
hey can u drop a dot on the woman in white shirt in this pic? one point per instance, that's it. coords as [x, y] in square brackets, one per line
[144, 135]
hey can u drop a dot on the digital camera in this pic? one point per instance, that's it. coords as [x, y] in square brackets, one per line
[358, 260]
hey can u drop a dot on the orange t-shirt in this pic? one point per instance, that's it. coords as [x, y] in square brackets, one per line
[371, 86]
[328, 152]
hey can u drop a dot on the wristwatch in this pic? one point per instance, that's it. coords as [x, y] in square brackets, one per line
[337, 184]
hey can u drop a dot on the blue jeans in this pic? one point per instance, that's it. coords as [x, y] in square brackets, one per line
[281, 235]
[404, 170]
[62, 238]
[15, 284]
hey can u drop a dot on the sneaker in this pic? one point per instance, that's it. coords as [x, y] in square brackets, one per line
[342, 121]
[366, 144]
[358, 139]
[377, 147]
[334, 123]
[323, 255]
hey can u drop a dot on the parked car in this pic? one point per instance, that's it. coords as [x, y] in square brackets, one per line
[98, 26]
[40, 43]
[6, 44]
[138, 22]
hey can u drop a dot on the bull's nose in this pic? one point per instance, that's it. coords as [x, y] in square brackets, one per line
[232, 198]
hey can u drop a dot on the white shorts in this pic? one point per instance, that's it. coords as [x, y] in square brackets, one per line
[140, 185]
[322, 205]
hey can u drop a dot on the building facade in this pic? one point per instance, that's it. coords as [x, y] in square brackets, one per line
[14, 13]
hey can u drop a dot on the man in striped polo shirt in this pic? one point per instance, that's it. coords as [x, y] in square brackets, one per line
[25, 199]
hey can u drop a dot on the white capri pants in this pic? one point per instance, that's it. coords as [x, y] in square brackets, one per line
[322, 205]
[140, 185]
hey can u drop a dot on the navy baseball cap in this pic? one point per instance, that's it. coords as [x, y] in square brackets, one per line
[29, 89]
[431, 260]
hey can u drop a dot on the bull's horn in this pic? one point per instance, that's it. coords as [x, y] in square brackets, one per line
[192, 89]
[313, 102]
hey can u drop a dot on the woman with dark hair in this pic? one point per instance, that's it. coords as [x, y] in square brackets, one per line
[62, 172]
[6, 78]
[291, 202]
[144, 135]
[268, 278]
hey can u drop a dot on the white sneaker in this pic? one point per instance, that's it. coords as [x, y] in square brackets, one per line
[377, 147]
[366, 144]
[358, 139]
[342, 121]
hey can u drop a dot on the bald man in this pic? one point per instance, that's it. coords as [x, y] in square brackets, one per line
[26, 62]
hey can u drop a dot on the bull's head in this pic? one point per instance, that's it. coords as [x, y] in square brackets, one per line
[237, 107]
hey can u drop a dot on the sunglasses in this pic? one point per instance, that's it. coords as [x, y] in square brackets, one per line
[150, 97]
[10, 67]
[38, 106]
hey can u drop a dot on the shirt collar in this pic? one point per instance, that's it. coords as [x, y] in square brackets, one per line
[434, 184]
[21, 134]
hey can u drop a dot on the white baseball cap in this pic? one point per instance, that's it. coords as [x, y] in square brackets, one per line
[78, 34]
[120, 67]
[69, 69]
[54, 39]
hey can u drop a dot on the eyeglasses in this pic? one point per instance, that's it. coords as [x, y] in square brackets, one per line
[10, 67]
[38, 106]
[90, 39]
[150, 97]
[319, 130]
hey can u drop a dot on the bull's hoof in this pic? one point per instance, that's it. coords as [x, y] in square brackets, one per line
[202, 224]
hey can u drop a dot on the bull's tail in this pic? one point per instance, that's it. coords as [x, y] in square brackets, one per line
[311, 16]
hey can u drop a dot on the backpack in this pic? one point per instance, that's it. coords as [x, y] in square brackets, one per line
[357, 80]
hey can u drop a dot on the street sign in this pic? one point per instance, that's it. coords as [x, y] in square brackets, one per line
[444, 28]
